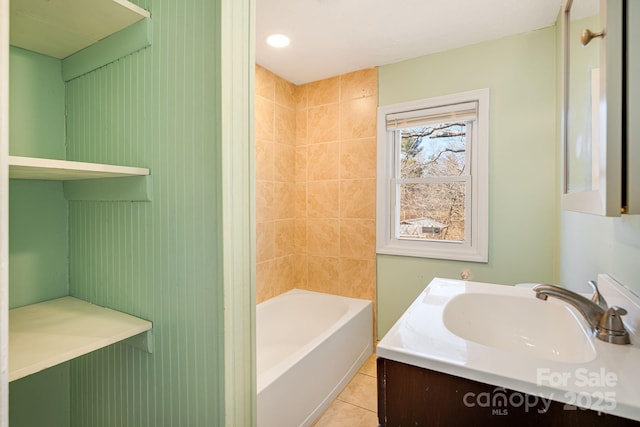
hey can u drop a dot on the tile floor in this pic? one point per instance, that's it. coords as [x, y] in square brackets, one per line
[357, 404]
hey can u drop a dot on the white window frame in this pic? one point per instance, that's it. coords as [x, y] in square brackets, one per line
[475, 248]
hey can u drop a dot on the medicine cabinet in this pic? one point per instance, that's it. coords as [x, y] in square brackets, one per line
[600, 79]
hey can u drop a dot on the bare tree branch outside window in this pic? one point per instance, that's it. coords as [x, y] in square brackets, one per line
[433, 210]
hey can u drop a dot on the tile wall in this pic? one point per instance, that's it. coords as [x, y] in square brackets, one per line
[275, 187]
[316, 184]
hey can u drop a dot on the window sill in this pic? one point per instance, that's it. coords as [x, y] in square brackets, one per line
[447, 251]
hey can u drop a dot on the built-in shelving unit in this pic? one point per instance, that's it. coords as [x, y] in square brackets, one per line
[48, 333]
[63, 27]
[86, 34]
[64, 170]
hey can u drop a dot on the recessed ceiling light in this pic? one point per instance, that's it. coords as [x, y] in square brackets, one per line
[278, 40]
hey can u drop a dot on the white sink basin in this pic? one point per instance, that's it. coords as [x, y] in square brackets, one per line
[543, 329]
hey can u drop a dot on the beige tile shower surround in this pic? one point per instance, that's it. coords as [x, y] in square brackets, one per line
[316, 184]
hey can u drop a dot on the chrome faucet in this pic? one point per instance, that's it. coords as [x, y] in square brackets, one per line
[597, 296]
[605, 322]
[591, 311]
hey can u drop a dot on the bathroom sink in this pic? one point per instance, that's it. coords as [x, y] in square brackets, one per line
[505, 337]
[543, 329]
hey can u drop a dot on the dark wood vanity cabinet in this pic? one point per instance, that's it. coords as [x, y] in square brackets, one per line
[413, 396]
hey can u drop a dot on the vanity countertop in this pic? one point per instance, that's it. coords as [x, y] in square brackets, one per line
[609, 382]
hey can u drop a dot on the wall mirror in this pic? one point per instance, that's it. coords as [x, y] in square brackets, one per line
[592, 124]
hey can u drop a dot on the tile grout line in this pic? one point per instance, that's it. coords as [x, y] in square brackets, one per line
[357, 406]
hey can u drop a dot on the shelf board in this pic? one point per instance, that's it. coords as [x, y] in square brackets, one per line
[52, 332]
[64, 170]
[63, 27]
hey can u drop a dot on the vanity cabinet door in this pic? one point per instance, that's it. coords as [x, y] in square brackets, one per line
[413, 396]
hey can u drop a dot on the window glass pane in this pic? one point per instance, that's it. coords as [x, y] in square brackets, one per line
[437, 150]
[432, 211]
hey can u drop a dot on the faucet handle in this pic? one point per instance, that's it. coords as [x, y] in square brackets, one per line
[597, 296]
[611, 328]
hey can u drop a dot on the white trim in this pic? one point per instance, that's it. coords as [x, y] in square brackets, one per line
[426, 116]
[633, 107]
[237, 66]
[4, 213]
[432, 179]
[476, 246]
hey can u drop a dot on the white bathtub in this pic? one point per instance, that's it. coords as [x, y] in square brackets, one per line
[309, 345]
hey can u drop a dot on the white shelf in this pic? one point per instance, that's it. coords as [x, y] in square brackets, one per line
[63, 27]
[46, 334]
[64, 170]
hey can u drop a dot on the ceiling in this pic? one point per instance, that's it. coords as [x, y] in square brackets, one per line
[333, 37]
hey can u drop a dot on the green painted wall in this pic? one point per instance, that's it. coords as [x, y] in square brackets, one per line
[41, 399]
[38, 248]
[38, 230]
[520, 72]
[38, 242]
[159, 260]
[36, 107]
